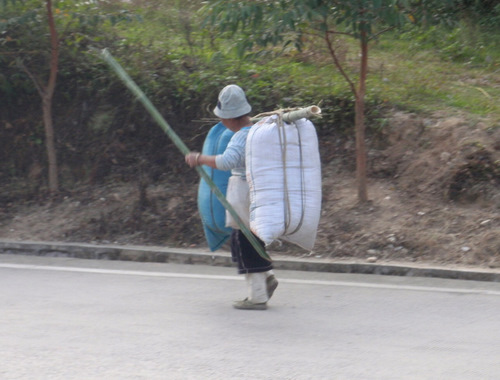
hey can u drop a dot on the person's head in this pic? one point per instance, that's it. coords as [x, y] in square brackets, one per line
[232, 103]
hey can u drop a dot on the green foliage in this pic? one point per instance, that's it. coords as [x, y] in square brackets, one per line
[270, 22]
[485, 13]
[181, 66]
[24, 36]
[465, 43]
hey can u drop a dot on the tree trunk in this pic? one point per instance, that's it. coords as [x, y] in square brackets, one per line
[50, 144]
[360, 123]
[47, 97]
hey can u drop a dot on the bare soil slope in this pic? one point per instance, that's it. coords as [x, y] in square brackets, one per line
[434, 188]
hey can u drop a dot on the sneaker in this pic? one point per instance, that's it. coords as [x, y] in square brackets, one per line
[271, 284]
[246, 304]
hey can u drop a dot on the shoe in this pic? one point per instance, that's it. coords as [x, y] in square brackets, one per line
[246, 304]
[271, 284]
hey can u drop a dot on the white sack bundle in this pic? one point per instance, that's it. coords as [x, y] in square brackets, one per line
[283, 171]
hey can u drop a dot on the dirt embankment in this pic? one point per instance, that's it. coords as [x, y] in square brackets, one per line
[434, 189]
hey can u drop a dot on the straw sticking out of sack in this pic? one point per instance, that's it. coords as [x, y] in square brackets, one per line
[291, 115]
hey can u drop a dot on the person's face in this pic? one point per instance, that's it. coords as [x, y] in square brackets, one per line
[230, 124]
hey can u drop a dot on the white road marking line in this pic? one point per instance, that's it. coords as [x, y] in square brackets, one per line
[239, 278]
[396, 287]
[118, 272]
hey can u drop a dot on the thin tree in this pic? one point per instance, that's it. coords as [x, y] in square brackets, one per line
[92, 16]
[271, 22]
[46, 92]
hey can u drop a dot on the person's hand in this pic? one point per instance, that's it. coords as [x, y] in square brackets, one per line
[192, 159]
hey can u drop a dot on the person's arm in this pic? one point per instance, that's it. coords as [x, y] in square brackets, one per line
[195, 159]
[233, 156]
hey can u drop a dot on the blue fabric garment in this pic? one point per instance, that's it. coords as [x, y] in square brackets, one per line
[212, 212]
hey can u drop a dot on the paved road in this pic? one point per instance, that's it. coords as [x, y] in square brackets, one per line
[84, 319]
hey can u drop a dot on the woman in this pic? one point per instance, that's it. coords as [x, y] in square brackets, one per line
[233, 109]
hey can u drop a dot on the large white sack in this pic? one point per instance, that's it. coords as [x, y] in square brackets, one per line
[283, 171]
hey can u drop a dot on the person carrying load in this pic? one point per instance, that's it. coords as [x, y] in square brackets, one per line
[234, 110]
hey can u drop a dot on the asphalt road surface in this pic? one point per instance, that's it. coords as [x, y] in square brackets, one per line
[83, 319]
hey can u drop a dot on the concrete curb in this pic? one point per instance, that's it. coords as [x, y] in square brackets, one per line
[198, 256]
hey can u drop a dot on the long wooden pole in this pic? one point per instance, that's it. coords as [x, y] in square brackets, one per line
[181, 146]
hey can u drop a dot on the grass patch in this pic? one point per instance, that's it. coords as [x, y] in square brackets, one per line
[422, 80]
[421, 70]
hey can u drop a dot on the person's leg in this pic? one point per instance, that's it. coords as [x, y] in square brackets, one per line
[271, 283]
[258, 288]
[257, 293]
[247, 257]
[255, 263]
[256, 269]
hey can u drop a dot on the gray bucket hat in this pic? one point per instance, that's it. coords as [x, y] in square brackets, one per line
[232, 103]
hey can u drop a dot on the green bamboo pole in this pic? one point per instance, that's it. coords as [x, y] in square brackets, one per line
[181, 146]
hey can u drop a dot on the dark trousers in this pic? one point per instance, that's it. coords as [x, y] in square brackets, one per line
[246, 256]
